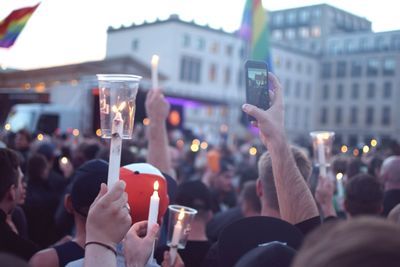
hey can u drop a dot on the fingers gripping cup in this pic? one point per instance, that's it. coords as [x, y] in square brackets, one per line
[180, 218]
[117, 111]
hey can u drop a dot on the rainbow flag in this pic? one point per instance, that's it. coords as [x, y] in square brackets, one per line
[254, 31]
[13, 24]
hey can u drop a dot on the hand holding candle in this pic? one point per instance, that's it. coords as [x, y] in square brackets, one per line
[154, 71]
[322, 144]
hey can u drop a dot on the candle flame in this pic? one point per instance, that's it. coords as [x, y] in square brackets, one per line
[339, 175]
[122, 106]
[156, 185]
[181, 214]
[154, 60]
[114, 109]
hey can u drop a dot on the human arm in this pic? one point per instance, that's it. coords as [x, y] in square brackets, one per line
[157, 109]
[108, 222]
[296, 202]
[44, 258]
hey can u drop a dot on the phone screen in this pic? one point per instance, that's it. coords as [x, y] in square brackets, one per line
[257, 84]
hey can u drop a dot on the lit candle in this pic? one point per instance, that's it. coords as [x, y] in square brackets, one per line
[153, 214]
[321, 156]
[154, 71]
[339, 185]
[176, 236]
[116, 145]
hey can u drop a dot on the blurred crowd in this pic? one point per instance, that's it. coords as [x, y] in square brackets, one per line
[260, 201]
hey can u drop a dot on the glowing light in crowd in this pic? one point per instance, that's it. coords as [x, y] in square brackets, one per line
[194, 148]
[365, 149]
[339, 175]
[180, 143]
[204, 145]
[253, 151]
[7, 127]
[344, 149]
[64, 160]
[374, 143]
[75, 132]
[196, 142]
[98, 132]
[356, 152]
[224, 128]
[40, 137]
[146, 121]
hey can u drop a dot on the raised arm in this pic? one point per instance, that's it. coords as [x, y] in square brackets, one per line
[157, 109]
[296, 203]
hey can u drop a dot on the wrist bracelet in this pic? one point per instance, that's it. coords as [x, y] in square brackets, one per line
[102, 245]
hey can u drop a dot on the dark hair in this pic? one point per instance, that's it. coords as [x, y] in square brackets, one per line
[267, 177]
[9, 260]
[374, 165]
[37, 165]
[359, 242]
[364, 195]
[9, 165]
[194, 194]
[354, 167]
[26, 134]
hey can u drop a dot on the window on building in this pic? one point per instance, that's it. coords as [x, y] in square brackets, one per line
[386, 115]
[201, 44]
[308, 91]
[316, 13]
[296, 117]
[299, 67]
[355, 91]
[353, 140]
[364, 44]
[214, 48]
[288, 64]
[316, 31]
[304, 15]
[395, 42]
[304, 32]
[389, 66]
[290, 34]
[298, 89]
[135, 45]
[326, 70]
[291, 18]
[325, 92]
[229, 50]
[356, 68]
[277, 35]
[369, 118]
[371, 90]
[309, 69]
[186, 40]
[227, 75]
[306, 118]
[324, 115]
[339, 91]
[278, 19]
[341, 69]
[380, 44]
[338, 115]
[372, 67]
[353, 115]
[190, 69]
[212, 73]
[287, 88]
[387, 90]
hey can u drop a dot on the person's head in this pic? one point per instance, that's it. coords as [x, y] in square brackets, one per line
[374, 166]
[354, 167]
[361, 242]
[364, 196]
[48, 150]
[394, 214]
[195, 195]
[390, 172]
[86, 185]
[223, 179]
[249, 200]
[266, 185]
[9, 260]
[38, 168]
[22, 139]
[10, 180]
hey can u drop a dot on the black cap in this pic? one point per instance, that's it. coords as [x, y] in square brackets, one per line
[194, 194]
[274, 254]
[248, 233]
[86, 184]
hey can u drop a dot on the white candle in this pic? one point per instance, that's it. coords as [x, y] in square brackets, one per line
[153, 213]
[116, 145]
[339, 185]
[321, 158]
[154, 71]
[176, 236]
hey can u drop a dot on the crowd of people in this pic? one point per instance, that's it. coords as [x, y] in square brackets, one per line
[270, 208]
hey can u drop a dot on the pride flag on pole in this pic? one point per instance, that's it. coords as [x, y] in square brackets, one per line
[13, 24]
[254, 31]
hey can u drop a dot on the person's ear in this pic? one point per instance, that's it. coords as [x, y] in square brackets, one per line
[259, 188]
[68, 203]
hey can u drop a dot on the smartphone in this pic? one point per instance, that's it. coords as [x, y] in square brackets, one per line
[257, 85]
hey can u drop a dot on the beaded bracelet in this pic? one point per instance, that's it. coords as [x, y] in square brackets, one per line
[102, 245]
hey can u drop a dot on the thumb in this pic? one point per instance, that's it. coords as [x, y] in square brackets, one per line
[102, 192]
[253, 111]
[152, 234]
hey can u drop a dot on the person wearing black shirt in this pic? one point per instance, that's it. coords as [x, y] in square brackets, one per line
[10, 189]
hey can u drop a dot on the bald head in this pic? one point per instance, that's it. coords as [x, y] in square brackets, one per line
[390, 171]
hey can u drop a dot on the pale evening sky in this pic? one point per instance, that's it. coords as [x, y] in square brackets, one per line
[69, 31]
